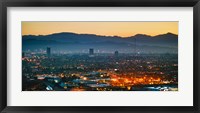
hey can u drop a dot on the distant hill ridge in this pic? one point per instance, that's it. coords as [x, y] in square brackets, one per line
[137, 35]
[72, 41]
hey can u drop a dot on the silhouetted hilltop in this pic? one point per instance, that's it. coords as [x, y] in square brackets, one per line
[78, 42]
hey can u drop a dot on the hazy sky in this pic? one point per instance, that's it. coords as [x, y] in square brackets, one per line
[123, 29]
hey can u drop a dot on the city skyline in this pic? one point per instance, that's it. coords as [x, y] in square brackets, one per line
[86, 56]
[121, 29]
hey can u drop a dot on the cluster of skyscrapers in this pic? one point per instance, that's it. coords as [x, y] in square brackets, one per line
[91, 52]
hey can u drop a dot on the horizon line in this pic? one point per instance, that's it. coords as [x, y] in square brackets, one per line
[101, 35]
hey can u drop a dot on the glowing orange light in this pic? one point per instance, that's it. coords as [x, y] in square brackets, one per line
[84, 78]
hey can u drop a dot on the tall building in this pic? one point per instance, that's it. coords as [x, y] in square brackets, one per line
[23, 54]
[91, 51]
[48, 51]
[116, 53]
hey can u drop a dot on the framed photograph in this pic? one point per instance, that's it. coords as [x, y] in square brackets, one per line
[99, 56]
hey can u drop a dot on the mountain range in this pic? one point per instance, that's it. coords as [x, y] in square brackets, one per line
[73, 42]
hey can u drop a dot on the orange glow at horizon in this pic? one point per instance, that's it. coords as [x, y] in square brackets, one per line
[123, 29]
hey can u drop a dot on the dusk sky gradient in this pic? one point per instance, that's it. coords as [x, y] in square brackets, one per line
[123, 29]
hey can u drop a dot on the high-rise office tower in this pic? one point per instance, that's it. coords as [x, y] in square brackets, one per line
[23, 54]
[48, 51]
[91, 51]
[116, 53]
